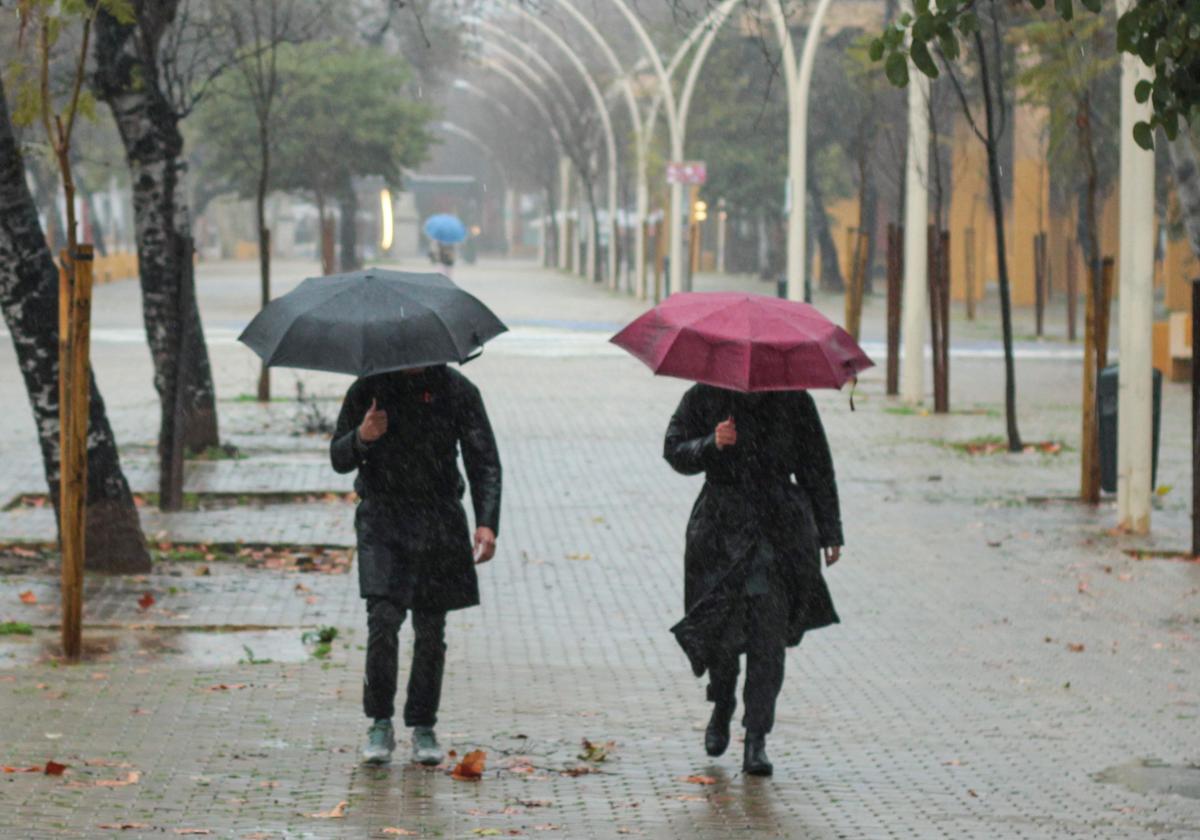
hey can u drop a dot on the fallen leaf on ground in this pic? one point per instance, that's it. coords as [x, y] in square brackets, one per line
[595, 752]
[193, 831]
[28, 597]
[400, 832]
[1075, 647]
[698, 780]
[690, 797]
[335, 813]
[535, 803]
[488, 832]
[122, 826]
[581, 770]
[104, 762]
[146, 601]
[471, 767]
[8, 769]
[300, 587]
[226, 686]
[972, 793]
[547, 827]
[131, 778]
[53, 768]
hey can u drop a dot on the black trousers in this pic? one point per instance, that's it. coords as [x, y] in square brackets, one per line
[762, 635]
[384, 619]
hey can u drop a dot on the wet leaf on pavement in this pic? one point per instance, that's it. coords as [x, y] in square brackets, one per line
[193, 831]
[27, 597]
[129, 826]
[595, 752]
[146, 601]
[698, 780]
[470, 769]
[9, 769]
[131, 778]
[53, 768]
[399, 832]
[337, 812]
[1075, 647]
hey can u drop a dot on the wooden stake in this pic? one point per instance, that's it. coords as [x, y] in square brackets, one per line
[1089, 462]
[969, 270]
[1072, 290]
[75, 311]
[895, 280]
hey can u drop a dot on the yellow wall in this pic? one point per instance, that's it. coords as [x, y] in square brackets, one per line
[118, 266]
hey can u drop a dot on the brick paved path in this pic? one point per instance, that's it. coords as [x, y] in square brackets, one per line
[954, 701]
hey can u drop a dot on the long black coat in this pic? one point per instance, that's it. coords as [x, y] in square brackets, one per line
[775, 484]
[414, 545]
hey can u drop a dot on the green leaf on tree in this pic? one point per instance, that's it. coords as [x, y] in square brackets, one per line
[1143, 136]
[1141, 92]
[1065, 9]
[897, 69]
[923, 60]
[876, 49]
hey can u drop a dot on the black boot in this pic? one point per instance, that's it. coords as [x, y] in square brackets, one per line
[755, 761]
[716, 736]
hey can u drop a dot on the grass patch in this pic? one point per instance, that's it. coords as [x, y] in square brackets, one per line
[299, 558]
[995, 444]
[918, 411]
[220, 452]
[207, 501]
[15, 628]
[253, 398]
[321, 641]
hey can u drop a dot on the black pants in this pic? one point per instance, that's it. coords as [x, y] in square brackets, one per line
[763, 638]
[384, 619]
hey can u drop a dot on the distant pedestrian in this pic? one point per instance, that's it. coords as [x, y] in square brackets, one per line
[403, 431]
[445, 258]
[752, 569]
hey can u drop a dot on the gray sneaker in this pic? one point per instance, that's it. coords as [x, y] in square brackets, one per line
[425, 746]
[380, 743]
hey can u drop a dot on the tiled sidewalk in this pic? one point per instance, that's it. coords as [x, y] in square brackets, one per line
[996, 655]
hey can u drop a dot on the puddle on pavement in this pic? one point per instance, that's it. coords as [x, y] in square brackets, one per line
[1153, 776]
[190, 648]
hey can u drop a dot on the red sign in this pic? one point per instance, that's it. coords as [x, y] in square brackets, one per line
[686, 172]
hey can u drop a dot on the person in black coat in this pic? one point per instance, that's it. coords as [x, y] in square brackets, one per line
[752, 567]
[403, 431]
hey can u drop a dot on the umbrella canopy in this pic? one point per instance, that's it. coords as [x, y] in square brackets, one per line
[371, 321]
[445, 228]
[743, 342]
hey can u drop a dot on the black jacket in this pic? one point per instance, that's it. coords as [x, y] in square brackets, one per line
[776, 484]
[414, 544]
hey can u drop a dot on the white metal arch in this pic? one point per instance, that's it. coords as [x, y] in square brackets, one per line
[609, 137]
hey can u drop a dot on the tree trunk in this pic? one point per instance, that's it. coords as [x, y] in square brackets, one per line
[993, 162]
[1095, 345]
[149, 129]
[1186, 169]
[348, 204]
[29, 299]
[831, 270]
[264, 247]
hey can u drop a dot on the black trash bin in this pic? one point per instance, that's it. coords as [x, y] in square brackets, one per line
[1106, 411]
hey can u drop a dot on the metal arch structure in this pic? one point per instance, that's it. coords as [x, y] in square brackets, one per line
[533, 56]
[528, 93]
[565, 164]
[609, 137]
[668, 97]
[463, 86]
[458, 131]
[525, 90]
[642, 192]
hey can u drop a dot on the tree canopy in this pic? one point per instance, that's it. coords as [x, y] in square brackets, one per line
[343, 113]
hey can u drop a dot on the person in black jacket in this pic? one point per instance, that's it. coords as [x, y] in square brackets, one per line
[403, 431]
[752, 568]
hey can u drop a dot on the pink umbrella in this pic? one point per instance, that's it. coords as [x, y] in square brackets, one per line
[743, 342]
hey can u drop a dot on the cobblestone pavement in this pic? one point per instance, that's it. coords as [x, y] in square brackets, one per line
[1003, 668]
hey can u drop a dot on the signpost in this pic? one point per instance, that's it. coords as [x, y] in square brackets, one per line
[687, 172]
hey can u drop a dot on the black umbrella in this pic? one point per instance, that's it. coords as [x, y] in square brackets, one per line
[371, 321]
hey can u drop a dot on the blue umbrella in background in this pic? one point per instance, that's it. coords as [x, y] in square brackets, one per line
[445, 228]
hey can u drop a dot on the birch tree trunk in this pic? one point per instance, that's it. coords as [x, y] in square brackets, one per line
[348, 230]
[29, 299]
[127, 80]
